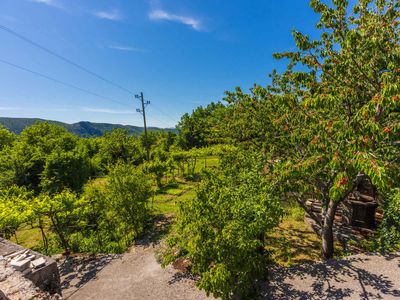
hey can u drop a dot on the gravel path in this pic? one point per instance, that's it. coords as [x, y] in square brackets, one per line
[135, 275]
[360, 276]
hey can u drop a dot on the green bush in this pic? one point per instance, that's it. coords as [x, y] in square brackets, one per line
[389, 229]
[222, 232]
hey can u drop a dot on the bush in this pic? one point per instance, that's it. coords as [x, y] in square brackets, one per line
[222, 232]
[389, 229]
[107, 217]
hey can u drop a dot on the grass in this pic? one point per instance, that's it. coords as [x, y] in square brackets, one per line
[166, 201]
[206, 163]
[27, 236]
[294, 242]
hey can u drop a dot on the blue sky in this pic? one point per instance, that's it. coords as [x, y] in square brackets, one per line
[181, 54]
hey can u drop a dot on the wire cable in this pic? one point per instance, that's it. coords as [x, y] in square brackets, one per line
[69, 61]
[60, 82]
[37, 45]
[160, 111]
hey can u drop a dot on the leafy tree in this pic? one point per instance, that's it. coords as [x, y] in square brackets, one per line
[64, 212]
[158, 168]
[65, 170]
[195, 130]
[117, 146]
[6, 138]
[46, 157]
[332, 117]
[13, 212]
[222, 231]
[128, 192]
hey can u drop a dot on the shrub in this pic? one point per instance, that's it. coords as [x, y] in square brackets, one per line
[222, 232]
[389, 229]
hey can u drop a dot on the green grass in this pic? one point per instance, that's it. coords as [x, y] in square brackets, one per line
[166, 201]
[188, 195]
[206, 163]
[27, 236]
[294, 242]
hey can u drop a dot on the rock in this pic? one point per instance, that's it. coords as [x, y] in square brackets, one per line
[20, 265]
[37, 263]
[20, 252]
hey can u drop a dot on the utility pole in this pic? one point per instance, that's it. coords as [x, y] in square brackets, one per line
[143, 112]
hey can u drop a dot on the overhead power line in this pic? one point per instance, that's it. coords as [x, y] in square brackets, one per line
[60, 82]
[67, 60]
[165, 114]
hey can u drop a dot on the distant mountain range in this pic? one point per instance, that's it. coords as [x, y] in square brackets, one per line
[82, 129]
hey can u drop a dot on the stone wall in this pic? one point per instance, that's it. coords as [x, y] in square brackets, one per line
[41, 270]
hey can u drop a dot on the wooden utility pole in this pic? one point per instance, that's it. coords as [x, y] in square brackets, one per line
[143, 112]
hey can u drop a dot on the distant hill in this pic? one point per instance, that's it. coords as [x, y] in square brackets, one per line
[82, 129]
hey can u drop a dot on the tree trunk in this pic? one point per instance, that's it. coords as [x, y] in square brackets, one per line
[60, 234]
[327, 230]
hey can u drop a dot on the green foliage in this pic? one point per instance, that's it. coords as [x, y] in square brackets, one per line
[222, 232]
[389, 229]
[158, 168]
[64, 210]
[45, 158]
[106, 218]
[6, 138]
[115, 211]
[65, 170]
[196, 130]
[333, 115]
[13, 212]
[294, 212]
[128, 190]
[117, 146]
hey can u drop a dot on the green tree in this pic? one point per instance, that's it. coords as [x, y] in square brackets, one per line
[196, 130]
[45, 157]
[333, 116]
[65, 170]
[128, 192]
[13, 209]
[222, 231]
[6, 138]
[117, 146]
[389, 229]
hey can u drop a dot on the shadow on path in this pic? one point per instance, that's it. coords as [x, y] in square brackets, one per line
[76, 271]
[335, 279]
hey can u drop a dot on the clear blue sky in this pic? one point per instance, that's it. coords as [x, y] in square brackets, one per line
[181, 54]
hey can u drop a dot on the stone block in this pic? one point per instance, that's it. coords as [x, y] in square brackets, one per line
[37, 263]
[20, 265]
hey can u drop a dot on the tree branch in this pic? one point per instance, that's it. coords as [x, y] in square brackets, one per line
[308, 211]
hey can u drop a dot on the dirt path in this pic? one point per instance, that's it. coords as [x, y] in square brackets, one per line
[133, 275]
[356, 277]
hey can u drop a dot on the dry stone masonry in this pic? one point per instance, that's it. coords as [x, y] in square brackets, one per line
[26, 271]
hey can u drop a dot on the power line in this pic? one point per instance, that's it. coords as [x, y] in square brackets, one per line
[167, 115]
[69, 61]
[158, 120]
[9, 30]
[59, 81]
